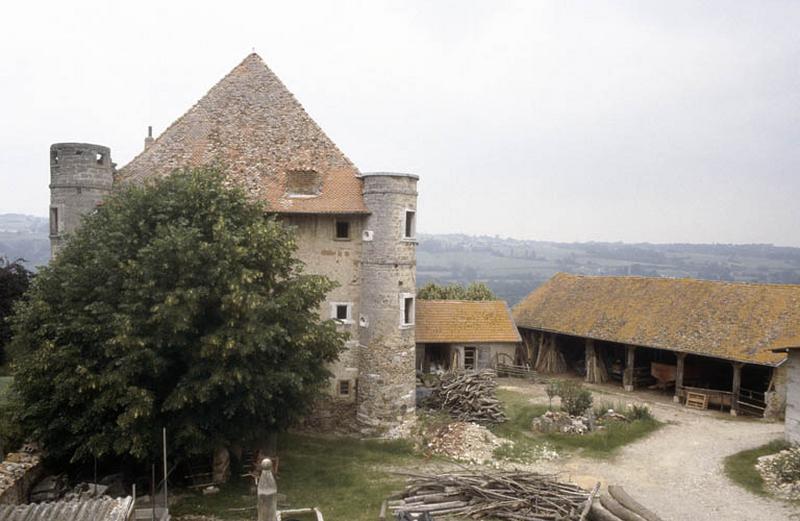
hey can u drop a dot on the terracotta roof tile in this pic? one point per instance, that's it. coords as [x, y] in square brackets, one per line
[730, 320]
[250, 125]
[461, 321]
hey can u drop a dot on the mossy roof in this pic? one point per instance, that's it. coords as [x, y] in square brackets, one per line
[253, 128]
[730, 320]
[464, 321]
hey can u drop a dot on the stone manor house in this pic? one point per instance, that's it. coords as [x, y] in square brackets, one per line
[356, 228]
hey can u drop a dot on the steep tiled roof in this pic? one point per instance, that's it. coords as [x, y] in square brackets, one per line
[251, 126]
[462, 321]
[99, 509]
[731, 320]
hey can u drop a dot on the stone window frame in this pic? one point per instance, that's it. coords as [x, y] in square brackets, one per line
[404, 297]
[57, 214]
[334, 312]
[413, 213]
[344, 388]
[336, 223]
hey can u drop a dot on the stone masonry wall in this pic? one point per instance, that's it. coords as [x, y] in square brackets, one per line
[793, 396]
[18, 473]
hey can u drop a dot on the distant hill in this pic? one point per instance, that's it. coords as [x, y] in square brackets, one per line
[513, 268]
[25, 237]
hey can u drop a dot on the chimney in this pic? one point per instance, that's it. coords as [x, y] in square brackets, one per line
[149, 139]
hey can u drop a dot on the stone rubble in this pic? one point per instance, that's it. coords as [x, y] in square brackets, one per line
[462, 441]
[773, 465]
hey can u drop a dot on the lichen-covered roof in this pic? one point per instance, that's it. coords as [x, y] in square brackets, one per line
[730, 320]
[464, 321]
[98, 509]
[250, 125]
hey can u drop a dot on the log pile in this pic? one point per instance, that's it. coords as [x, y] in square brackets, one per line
[596, 372]
[550, 359]
[514, 495]
[469, 397]
[617, 505]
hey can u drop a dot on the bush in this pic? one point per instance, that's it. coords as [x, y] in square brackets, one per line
[639, 412]
[574, 398]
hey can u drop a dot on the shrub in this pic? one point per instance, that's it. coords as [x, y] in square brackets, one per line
[574, 398]
[552, 390]
[639, 412]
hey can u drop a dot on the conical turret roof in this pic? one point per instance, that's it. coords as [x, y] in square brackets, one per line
[253, 128]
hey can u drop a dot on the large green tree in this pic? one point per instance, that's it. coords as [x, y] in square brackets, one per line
[474, 291]
[14, 281]
[177, 304]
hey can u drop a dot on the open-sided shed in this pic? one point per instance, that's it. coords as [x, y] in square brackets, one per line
[705, 337]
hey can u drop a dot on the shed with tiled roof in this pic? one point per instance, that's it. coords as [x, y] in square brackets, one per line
[461, 334]
[735, 322]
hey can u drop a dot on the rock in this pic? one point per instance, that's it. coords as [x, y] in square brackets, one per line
[210, 490]
[560, 421]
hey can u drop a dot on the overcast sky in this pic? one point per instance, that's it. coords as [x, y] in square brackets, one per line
[570, 121]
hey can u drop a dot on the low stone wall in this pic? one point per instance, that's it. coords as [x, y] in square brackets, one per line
[18, 473]
[331, 415]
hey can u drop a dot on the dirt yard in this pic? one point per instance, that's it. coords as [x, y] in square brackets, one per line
[678, 470]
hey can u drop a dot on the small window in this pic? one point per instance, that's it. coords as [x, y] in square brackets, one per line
[100, 158]
[410, 225]
[342, 312]
[342, 230]
[408, 310]
[344, 387]
[53, 221]
[54, 156]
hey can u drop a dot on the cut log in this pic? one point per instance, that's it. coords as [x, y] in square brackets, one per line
[631, 504]
[598, 513]
[613, 506]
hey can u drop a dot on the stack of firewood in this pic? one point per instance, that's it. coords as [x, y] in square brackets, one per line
[490, 495]
[469, 397]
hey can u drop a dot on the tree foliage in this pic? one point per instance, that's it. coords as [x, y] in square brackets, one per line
[177, 304]
[15, 279]
[474, 291]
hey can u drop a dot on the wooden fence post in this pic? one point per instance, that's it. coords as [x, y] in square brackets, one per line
[679, 377]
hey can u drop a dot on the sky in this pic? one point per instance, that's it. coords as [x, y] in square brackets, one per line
[551, 120]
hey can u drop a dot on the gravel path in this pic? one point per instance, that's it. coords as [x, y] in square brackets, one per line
[678, 470]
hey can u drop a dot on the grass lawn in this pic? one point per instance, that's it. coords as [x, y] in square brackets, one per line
[741, 467]
[598, 444]
[347, 479]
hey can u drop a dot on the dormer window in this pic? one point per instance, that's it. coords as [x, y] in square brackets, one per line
[303, 183]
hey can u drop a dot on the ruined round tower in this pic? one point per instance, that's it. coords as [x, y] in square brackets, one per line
[387, 377]
[81, 176]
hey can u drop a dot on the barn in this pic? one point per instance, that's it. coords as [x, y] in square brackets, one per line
[707, 341]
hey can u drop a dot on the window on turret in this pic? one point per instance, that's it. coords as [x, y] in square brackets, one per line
[344, 387]
[411, 227]
[342, 312]
[54, 156]
[53, 221]
[100, 158]
[408, 309]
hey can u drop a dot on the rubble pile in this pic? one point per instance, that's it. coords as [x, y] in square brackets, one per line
[560, 421]
[462, 441]
[17, 473]
[781, 473]
[469, 397]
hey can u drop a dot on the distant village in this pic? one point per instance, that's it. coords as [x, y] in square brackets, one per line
[525, 380]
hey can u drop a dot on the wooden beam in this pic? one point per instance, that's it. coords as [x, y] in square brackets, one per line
[679, 377]
[736, 387]
[627, 375]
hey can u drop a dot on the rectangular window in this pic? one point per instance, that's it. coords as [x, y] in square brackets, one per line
[53, 221]
[342, 230]
[344, 387]
[342, 312]
[410, 224]
[469, 358]
[408, 310]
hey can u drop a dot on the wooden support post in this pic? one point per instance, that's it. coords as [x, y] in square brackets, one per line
[679, 377]
[627, 375]
[736, 388]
